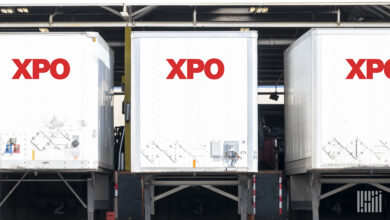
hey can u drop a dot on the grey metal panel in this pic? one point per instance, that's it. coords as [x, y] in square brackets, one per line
[267, 197]
[102, 189]
[129, 197]
[299, 188]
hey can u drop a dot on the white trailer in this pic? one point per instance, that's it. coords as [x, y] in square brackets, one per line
[194, 102]
[56, 112]
[336, 111]
[56, 102]
[194, 110]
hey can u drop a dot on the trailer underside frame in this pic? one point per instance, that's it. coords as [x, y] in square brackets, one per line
[97, 188]
[315, 180]
[243, 183]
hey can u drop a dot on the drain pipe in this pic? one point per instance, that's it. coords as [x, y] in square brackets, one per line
[262, 42]
[190, 24]
[274, 41]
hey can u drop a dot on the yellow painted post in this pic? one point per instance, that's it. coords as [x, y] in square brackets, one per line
[127, 83]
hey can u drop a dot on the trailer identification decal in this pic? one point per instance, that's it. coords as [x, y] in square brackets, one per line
[41, 66]
[372, 65]
[195, 66]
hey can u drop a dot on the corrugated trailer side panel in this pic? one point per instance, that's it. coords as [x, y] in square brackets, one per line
[105, 59]
[50, 116]
[298, 105]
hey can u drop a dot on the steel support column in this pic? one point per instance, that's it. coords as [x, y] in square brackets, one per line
[152, 208]
[147, 184]
[243, 179]
[91, 199]
[315, 188]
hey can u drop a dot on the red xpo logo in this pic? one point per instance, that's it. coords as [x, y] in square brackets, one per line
[196, 66]
[372, 66]
[41, 66]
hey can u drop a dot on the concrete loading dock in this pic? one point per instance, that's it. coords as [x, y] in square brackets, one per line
[278, 23]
